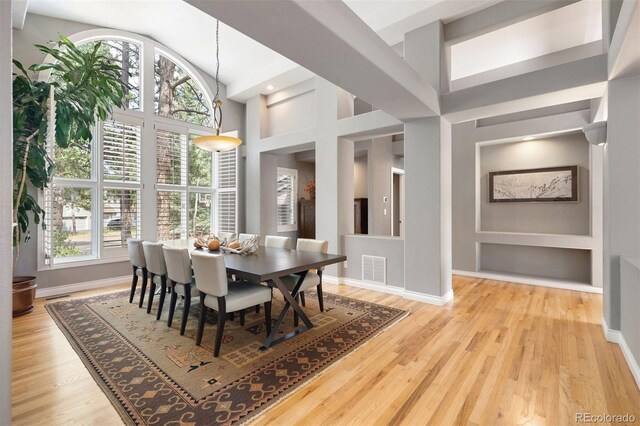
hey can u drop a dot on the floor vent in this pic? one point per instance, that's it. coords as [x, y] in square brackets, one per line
[374, 269]
[62, 296]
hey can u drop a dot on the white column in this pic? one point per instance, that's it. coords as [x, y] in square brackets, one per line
[6, 191]
[256, 128]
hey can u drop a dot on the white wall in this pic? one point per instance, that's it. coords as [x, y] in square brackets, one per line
[6, 192]
[360, 180]
[292, 114]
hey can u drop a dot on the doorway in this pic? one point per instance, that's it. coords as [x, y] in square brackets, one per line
[397, 202]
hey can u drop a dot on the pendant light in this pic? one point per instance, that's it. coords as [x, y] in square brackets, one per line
[217, 142]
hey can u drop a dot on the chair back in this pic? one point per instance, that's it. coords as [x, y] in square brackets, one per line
[178, 264]
[154, 257]
[136, 254]
[211, 273]
[306, 244]
[225, 236]
[277, 241]
[245, 237]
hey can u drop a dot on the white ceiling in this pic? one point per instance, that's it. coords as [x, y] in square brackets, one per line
[247, 67]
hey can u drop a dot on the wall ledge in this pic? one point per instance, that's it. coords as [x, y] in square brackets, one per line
[616, 336]
[88, 285]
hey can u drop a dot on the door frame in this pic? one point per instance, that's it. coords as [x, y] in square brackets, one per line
[400, 173]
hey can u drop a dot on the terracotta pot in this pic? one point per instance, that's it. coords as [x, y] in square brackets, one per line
[24, 292]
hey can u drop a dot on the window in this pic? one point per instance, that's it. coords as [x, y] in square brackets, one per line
[140, 176]
[287, 189]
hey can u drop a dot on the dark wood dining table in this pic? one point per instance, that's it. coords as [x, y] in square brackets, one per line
[270, 264]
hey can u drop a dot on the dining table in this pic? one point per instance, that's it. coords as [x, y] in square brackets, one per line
[270, 265]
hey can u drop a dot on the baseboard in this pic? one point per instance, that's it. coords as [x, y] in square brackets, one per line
[396, 291]
[616, 336]
[375, 287]
[531, 281]
[427, 298]
[89, 285]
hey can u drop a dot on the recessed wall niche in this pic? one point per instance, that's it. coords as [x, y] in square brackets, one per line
[568, 218]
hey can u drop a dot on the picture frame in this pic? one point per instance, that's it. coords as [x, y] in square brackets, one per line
[548, 184]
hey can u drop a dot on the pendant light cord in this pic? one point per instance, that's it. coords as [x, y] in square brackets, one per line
[217, 61]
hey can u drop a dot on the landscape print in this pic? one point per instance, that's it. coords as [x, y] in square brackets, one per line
[546, 184]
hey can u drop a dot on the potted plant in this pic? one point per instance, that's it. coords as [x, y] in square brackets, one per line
[84, 85]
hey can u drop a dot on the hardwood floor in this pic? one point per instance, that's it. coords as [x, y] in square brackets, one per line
[499, 354]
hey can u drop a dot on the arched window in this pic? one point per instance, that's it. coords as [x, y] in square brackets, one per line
[140, 176]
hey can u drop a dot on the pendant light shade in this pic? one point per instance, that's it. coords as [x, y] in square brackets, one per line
[217, 142]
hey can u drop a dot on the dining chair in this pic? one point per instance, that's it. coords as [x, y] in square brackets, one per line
[181, 281]
[224, 296]
[244, 237]
[277, 241]
[157, 268]
[312, 279]
[222, 236]
[139, 264]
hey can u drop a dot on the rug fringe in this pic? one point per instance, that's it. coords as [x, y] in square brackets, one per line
[261, 414]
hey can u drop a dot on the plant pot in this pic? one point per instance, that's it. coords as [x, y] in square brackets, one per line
[24, 292]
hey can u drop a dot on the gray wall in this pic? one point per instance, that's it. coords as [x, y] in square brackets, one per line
[360, 180]
[622, 190]
[392, 248]
[292, 114]
[630, 300]
[41, 29]
[545, 218]
[6, 191]
[567, 264]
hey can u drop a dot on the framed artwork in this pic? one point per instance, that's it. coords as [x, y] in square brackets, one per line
[534, 185]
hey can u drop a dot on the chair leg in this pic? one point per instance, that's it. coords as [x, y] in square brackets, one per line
[172, 305]
[222, 315]
[144, 287]
[186, 307]
[267, 317]
[302, 301]
[134, 284]
[203, 314]
[242, 318]
[232, 316]
[320, 299]
[163, 293]
[295, 314]
[152, 292]
[257, 309]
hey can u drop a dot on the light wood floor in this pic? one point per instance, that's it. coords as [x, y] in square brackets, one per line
[499, 354]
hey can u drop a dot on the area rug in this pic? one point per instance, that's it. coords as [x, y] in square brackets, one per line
[154, 376]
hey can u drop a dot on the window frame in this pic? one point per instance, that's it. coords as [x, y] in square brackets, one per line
[148, 187]
[283, 171]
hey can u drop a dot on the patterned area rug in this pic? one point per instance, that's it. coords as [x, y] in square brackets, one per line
[155, 376]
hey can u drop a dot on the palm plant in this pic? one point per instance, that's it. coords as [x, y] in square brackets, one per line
[86, 85]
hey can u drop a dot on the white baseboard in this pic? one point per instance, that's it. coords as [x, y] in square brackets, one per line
[616, 336]
[396, 291]
[89, 285]
[542, 282]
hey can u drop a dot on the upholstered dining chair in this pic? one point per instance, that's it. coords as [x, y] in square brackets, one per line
[157, 268]
[312, 279]
[139, 264]
[181, 281]
[245, 237]
[222, 236]
[277, 241]
[223, 295]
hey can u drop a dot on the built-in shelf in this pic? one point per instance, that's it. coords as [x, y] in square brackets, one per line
[581, 242]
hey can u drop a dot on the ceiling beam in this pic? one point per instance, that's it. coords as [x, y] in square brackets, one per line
[19, 13]
[498, 16]
[574, 81]
[624, 52]
[329, 39]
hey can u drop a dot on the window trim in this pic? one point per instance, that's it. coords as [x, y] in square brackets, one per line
[294, 173]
